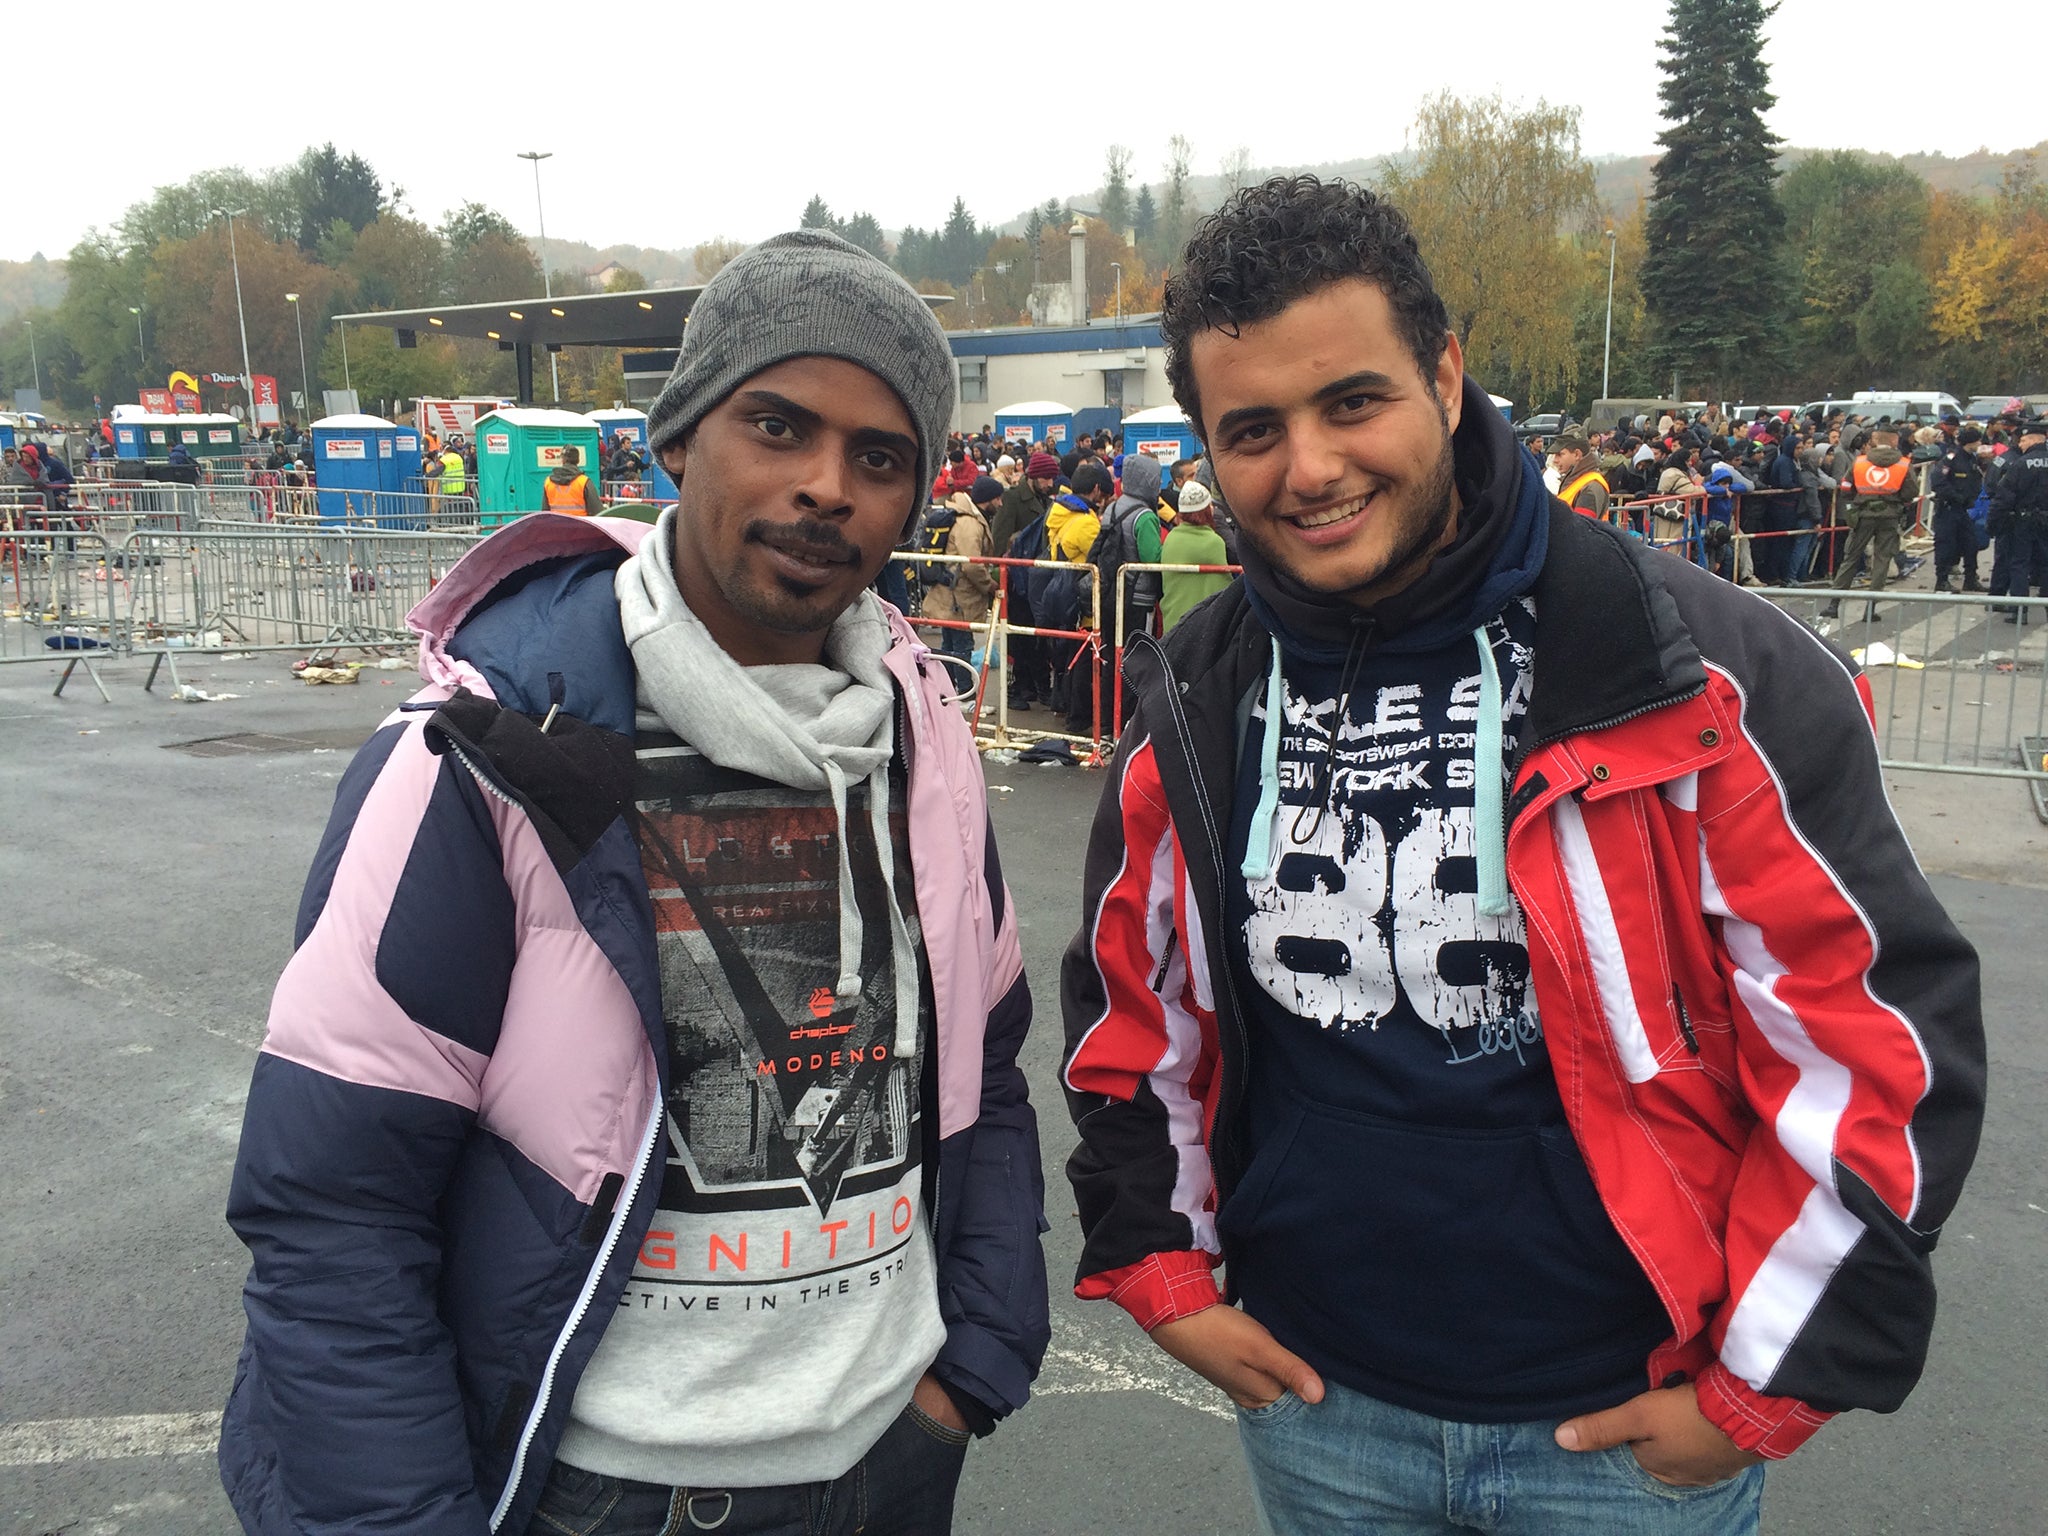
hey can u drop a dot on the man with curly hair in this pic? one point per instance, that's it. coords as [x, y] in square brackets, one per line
[1498, 956]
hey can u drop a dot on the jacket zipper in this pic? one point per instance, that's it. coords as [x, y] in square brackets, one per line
[621, 1213]
[1524, 754]
[477, 773]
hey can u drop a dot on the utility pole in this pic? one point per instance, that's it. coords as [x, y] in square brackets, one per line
[34, 364]
[248, 376]
[1607, 350]
[1118, 268]
[141, 350]
[546, 282]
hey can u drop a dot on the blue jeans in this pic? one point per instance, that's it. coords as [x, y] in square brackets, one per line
[904, 1486]
[1354, 1465]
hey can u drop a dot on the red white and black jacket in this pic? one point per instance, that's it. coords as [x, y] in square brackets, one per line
[1765, 1029]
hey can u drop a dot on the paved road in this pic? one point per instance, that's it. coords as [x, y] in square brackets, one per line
[148, 902]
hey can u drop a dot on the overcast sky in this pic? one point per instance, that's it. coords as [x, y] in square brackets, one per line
[673, 123]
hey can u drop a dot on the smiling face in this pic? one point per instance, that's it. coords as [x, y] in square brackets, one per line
[791, 492]
[1332, 449]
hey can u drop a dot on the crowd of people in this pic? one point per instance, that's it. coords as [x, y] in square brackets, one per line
[1781, 501]
[1778, 501]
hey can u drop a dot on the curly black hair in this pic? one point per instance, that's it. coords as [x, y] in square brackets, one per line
[1282, 240]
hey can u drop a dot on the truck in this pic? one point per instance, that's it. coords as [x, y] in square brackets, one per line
[442, 419]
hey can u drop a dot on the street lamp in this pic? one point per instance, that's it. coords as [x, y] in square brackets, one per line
[141, 350]
[248, 375]
[1607, 349]
[546, 282]
[305, 378]
[1118, 268]
[35, 366]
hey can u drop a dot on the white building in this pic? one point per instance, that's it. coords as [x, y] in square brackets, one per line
[1102, 371]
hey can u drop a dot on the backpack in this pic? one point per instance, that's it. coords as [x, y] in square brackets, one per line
[934, 533]
[1116, 546]
[1032, 542]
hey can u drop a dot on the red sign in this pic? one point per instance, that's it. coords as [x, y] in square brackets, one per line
[156, 401]
[266, 399]
[185, 400]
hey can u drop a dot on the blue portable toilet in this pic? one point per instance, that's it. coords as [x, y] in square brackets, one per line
[1162, 432]
[354, 459]
[146, 436]
[1034, 421]
[634, 424]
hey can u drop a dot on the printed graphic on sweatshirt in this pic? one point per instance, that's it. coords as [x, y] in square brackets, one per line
[793, 1127]
[1371, 915]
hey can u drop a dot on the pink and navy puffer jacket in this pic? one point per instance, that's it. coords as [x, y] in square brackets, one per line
[444, 1170]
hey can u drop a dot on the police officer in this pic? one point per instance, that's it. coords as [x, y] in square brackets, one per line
[2019, 519]
[1958, 478]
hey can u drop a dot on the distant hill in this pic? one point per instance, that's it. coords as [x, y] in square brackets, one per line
[1619, 179]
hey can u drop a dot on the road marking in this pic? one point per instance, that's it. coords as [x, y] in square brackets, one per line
[51, 1442]
[127, 987]
[1072, 1372]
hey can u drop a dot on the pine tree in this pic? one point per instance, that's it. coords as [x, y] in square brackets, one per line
[818, 216]
[962, 244]
[1115, 208]
[865, 231]
[1144, 218]
[1711, 275]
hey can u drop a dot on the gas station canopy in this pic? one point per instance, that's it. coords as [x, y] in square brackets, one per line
[643, 318]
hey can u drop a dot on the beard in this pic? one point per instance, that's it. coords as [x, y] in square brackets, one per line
[1419, 521]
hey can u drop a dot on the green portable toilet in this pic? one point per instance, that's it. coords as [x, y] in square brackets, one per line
[517, 448]
[204, 437]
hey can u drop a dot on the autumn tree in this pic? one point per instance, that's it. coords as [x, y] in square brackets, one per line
[1501, 199]
[1715, 225]
[1178, 210]
[1236, 169]
[395, 263]
[710, 258]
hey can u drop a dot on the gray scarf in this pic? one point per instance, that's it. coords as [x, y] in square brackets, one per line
[806, 726]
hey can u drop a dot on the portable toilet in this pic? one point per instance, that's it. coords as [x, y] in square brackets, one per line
[1164, 432]
[517, 449]
[146, 437]
[1035, 421]
[634, 424]
[1506, 408]
[205, 437]
[354, 459]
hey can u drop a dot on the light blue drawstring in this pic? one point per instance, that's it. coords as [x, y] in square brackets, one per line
[1261, 849]
[1490, 836]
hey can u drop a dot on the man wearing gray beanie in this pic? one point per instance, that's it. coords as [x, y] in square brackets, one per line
[698, 1078]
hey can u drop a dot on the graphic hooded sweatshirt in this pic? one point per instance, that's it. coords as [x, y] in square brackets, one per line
[1416, 1220]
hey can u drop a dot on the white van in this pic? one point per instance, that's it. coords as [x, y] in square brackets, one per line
[1926, 403]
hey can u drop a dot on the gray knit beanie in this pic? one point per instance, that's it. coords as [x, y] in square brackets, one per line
[810, 294]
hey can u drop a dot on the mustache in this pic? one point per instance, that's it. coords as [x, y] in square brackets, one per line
[820, 541]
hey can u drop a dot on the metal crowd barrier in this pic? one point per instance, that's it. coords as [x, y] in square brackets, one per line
[57, 599]
[991, 719]
[276, 589]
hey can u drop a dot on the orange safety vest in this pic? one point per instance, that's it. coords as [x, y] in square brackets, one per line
[557, 497]
[1879, 479]
[1569, 494]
